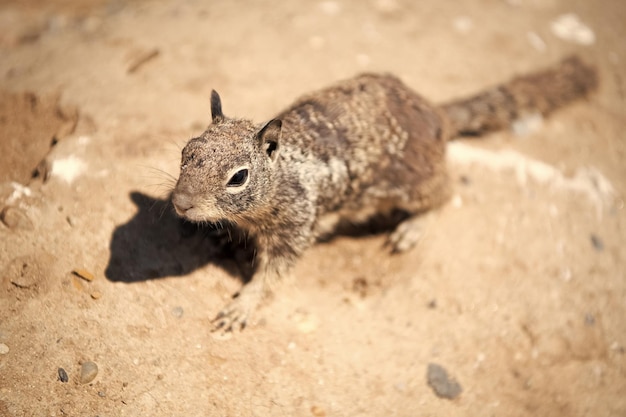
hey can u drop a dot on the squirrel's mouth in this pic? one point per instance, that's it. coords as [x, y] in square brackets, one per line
[186, 207]
[194, 209]
[194, 214]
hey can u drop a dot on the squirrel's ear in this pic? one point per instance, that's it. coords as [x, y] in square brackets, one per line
[269, 137]
[216, 107]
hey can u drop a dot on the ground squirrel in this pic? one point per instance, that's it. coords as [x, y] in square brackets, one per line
[362, 147]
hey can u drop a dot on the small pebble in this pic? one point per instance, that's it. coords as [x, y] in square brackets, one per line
[77, 283]
[141, 59]
[14, 218]
[318, 411]
[102, 394]
[178, 312]
[96, 295]
[24, 272]
[443, 386]
[84, 274]
[4, 349]
[88, 372]
[597, 243]
[63, 375]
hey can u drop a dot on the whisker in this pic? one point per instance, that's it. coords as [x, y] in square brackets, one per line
[164, 208]
[179, 144]
[160, 173]
[153, 205]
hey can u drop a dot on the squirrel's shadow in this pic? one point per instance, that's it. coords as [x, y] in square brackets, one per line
[155, 243]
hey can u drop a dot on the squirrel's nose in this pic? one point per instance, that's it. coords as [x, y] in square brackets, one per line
[181, 202]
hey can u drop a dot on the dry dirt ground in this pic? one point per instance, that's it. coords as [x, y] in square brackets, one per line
[518, 288]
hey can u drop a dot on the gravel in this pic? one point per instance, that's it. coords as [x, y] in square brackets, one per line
[442, 384]
[88, 372]
[63, 375]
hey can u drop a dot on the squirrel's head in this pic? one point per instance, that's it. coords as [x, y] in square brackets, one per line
[226, 173]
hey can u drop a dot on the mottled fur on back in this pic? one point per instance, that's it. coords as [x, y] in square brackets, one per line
[369, 142]
[364, 147]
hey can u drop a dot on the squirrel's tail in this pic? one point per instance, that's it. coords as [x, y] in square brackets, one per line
[540, 92]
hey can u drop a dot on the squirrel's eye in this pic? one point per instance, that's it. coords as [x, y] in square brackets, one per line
[238, 179]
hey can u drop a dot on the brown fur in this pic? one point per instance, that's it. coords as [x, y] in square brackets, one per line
[365, 147]
[542, 92]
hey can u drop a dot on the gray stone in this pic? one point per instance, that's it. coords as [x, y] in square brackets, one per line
[442, 384]
[88, 372]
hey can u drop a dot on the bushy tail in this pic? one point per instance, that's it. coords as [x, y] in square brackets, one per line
[540, 92]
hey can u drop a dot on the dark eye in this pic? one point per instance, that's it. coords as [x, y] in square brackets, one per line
[238, 179]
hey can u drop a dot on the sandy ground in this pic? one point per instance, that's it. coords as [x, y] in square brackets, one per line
[518, 288]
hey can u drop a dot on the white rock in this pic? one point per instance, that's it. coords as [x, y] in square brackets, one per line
[68, 169]
[570, 28]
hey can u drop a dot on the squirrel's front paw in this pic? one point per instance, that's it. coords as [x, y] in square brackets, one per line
[234, 317]
[406, 235]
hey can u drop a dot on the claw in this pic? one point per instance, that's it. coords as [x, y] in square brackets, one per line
[230, 319]
[234, 317]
